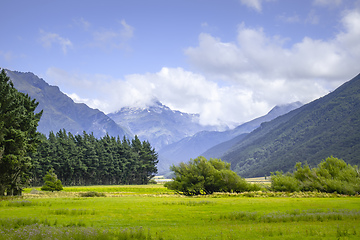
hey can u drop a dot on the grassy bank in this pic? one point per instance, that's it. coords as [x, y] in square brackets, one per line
[153, 212]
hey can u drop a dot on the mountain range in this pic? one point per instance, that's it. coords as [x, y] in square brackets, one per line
[159, 124]
[286, 135]
[195, 145]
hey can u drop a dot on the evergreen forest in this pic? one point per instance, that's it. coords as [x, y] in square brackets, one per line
[86, 160]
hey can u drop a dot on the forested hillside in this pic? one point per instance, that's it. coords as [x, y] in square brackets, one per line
[329, 126]
[86, 160]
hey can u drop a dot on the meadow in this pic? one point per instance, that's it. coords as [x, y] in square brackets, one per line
[154, 212]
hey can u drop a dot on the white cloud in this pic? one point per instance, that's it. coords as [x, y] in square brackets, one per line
[113, 39]
[349, 38]
[127, 32]
[179, 89]
[289, 19]
[262, 65]
[312, 17]
[81, 22]
[48, 39]
[8, 55]
[93, 103]
[254, 4]
[327, 3]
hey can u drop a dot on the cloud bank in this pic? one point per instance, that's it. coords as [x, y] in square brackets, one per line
[264, 66]
[231, 82]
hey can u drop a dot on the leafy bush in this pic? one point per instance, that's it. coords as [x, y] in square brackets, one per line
[52, 183]
[92, 194]
[152, 181]
[202, 176]
[284, 183]
[332, 175]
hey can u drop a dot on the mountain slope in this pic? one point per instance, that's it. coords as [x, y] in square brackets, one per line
[159, 124]
[193, 146]
[327, 126]
[220, 149]
[60, 111]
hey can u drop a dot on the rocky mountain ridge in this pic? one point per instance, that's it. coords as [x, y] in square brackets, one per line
[159, 124]
[61, 112]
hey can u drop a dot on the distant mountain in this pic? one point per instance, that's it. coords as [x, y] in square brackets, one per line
[60, 111]
[159, 124]
[241, 131]
[193, 146]
[329, 126]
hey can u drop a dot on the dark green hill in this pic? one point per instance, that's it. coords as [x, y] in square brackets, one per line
[61, 112]
[327, 126]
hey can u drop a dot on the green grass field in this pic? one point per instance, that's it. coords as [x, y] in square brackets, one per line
[153, 212]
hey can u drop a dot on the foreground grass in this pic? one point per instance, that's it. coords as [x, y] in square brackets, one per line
[149, 212]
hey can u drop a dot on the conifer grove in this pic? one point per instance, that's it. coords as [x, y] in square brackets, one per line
[86, 160]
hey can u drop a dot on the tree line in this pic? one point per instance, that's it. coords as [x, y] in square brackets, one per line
[86, 160]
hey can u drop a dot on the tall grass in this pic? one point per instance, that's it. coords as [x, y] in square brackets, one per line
[39, 232]
[72, 212]
[311, 215]
[190, 203]
[15, 223]
[23, 203]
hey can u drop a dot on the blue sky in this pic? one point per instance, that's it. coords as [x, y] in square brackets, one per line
[228, 60]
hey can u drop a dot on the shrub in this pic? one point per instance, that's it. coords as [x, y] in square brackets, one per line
[92, 194]
[284, 183]
[152, 181]
[202, 176]
[332, 176]
[52, 183]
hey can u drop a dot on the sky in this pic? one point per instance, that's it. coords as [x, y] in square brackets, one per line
[228, 60]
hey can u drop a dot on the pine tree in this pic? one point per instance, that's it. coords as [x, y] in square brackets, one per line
[18, 136]
[52, 183]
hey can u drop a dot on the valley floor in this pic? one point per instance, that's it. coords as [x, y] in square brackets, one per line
[153, 212]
